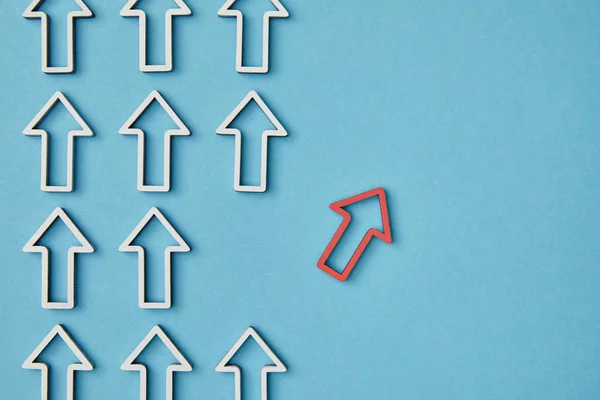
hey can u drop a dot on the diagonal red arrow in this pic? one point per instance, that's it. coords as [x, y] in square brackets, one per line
[385, 235]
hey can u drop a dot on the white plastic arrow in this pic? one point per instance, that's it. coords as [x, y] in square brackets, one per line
[31, 130]
[84, 12]
[32, 247]
[83, 365]
[127, 129]
[224, 129]
[224, 366]
[129, 11]
[130, 365]
[127, 246]
[226, 11]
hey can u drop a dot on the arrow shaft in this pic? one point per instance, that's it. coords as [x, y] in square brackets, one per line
[45, 380]
[240, 32]
[144, 383]
[141, 166]
[237, 174]
[238, 384]
[46, 302]
[45, 165]
[145, 66]
[46, 34]
[142, 292]
[333, 244]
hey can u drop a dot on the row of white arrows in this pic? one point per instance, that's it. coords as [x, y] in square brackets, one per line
[84, 246]
[33, 129]
[130, 364]
[129, 10]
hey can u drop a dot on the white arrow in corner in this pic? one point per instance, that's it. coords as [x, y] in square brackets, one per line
[32, 247]
[130, 11]
[83, 365]
[224, 129]
[227, 11]
[130, 364]
[128, 129]
[128, 246]
[224, 365]
[83, 11]
[32, 130]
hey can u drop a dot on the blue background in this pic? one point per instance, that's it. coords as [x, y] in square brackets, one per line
[479, 118]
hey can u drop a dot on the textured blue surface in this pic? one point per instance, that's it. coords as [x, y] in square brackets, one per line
[480, 119]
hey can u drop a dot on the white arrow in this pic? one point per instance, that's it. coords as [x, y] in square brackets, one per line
[224, 129]
[224, 366]
[127, 246]
[32, 130]
[127, 129]
[83, 365]
[84, 12]
[32, 247]
[131, 365]
[226, 11]
[129, 11]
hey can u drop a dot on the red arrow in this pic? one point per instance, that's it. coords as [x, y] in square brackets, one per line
[338, 207]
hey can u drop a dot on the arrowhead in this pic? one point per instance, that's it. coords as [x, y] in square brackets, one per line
[128, 245]
[32, 128]
[386, 234]
[130, 10]
[83, 365]
[128, 129]
[277, 365]
[130, 365]
[227, 11]
[224, 128]
[58, 213]
[33, 12]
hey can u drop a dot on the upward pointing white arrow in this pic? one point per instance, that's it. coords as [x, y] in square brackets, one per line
[32, 247]
[128, 246]
[130, 365]
[129, 11]
[224, 366]
[83, 365]
[224, 129]
[84, 12]
[226, 11]
[127, 129]
[32, 130]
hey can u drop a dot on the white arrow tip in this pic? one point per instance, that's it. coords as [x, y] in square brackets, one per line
[130, 365]
[277, 365]
[226, 11]
[129, 9]
[84, 362]
[31, 10]
[58, 213]
[128, 129]
[31, 128]
[127, 245]
[224, 128]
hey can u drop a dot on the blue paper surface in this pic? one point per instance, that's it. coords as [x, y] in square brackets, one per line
[482, 122]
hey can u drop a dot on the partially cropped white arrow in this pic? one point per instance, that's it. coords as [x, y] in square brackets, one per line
[224, 129]
[130, 364]
[224, 365]
[130, 11]
[32, 247]
[128, 246]
[128, 129]
[32, 130]
[83, 365]
[227, 11]
[31, 12]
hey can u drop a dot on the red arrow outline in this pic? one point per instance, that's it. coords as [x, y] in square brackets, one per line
[338, 207]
